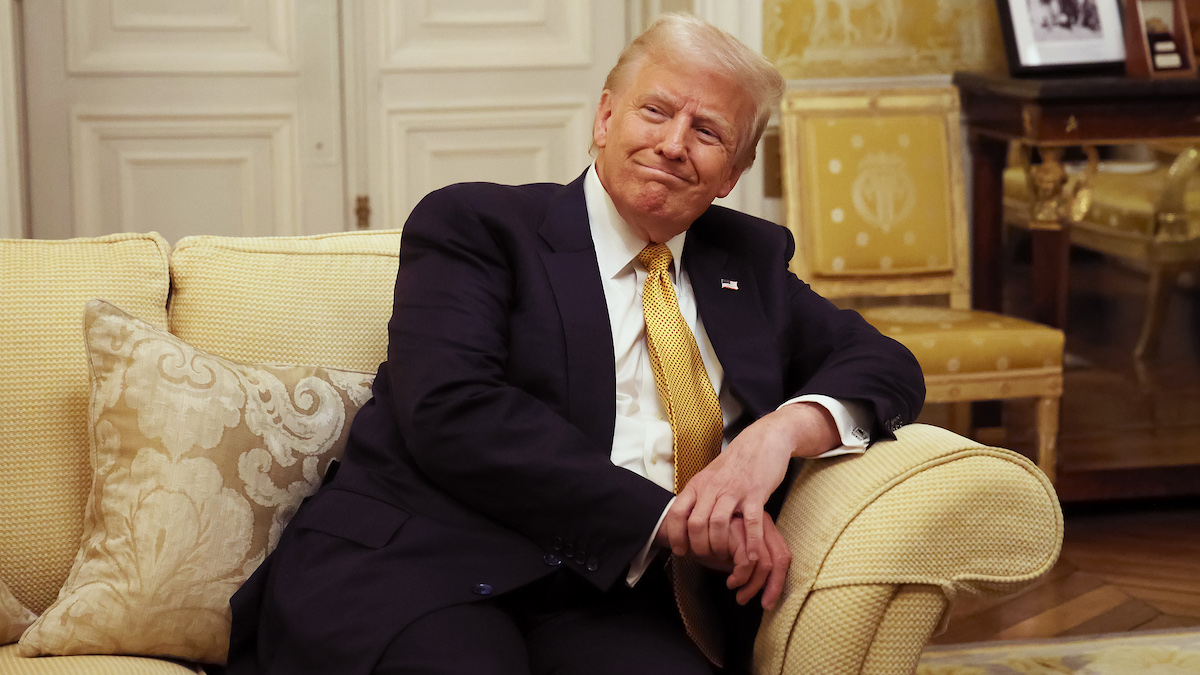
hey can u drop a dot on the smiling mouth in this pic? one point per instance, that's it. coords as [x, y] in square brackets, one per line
[664, 172]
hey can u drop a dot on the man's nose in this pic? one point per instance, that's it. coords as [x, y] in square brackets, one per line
[673, 142]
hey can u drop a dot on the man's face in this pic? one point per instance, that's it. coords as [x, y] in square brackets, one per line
[667, 142]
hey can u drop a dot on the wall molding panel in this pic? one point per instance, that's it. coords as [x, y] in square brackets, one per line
[233, 174]
[423, 35]
[231, 36]
[138, 187]
[513, 144]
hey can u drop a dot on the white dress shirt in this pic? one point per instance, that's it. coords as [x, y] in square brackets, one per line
[642, 434]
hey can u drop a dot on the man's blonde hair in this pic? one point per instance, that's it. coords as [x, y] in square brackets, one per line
[683, 38]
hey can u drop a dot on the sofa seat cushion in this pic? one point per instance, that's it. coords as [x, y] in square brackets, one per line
[12, 663]
[45, 472]
[199, 464]
[319, 299]
[960, 341]
[14, 618]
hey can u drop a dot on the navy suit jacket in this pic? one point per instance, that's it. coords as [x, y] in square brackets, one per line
[482, 463]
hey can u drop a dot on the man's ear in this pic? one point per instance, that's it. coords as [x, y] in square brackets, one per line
[727, 187]
[603, 115]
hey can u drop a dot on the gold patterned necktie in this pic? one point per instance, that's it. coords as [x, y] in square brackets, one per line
[696, 428]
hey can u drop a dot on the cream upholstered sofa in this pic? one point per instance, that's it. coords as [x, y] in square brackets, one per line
[151, 449]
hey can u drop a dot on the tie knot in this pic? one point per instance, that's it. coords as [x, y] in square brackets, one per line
[656, 257]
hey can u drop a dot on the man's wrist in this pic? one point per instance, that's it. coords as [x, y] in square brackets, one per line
[811, 428]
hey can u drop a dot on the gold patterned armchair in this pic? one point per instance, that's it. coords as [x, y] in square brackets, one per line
[1149, 215]
[873, 190]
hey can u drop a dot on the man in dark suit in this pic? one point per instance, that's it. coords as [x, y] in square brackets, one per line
[505, 503]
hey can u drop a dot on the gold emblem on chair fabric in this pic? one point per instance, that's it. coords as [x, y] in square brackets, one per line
[884, 193]
[881, 193]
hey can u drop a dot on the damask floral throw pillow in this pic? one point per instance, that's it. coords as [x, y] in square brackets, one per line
[199, 462]
[14, 618]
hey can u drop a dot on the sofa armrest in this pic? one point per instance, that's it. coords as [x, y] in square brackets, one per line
[902, 529]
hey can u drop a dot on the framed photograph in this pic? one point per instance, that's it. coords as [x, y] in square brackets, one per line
[1062, 37]
[1158, 39]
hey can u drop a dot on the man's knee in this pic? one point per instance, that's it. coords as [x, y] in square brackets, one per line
[472, 638]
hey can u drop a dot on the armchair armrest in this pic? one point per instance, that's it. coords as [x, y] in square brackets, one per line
[883, 542]
[1171, 210]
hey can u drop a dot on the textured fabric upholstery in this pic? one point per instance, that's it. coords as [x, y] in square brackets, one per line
[14, 618]
[906, 626]
[949, 341]
[11, 663]
[323, 299]
[45, 471]
[882, 203]
[931, 510]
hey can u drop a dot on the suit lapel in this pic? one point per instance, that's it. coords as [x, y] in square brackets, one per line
[574, 275]
[734, 321]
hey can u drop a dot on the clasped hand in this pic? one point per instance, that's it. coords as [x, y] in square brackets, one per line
[718, 518]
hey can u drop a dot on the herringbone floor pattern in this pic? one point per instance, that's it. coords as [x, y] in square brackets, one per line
[1123, 568]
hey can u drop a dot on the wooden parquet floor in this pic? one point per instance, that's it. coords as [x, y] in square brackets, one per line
[1123, 568]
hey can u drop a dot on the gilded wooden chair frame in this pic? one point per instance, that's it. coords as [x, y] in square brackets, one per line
[800, 181]
[1171, 248]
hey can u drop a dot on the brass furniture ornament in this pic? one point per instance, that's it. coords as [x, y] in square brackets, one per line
[1057, 199]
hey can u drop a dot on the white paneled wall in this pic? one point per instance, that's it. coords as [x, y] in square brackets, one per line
[477, 90]
[12, 213]
[226, 174]
[519, 142]
[464, 35]
[180, 36]
[258, 117]
[220, 117]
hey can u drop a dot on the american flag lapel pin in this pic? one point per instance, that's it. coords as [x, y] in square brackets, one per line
[729, 284]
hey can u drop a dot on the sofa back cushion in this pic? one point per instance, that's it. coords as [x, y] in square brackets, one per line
[45, 467]
[322, 299]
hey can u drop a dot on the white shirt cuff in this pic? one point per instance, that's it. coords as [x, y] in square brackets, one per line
[641, 561]
[853, 422]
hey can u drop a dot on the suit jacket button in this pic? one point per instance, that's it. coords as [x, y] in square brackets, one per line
[556, 543]
[593, 564]
[552, 560]
[482, 589]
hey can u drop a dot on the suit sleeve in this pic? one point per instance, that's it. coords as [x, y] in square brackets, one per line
[836, 353]
[492, 445]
